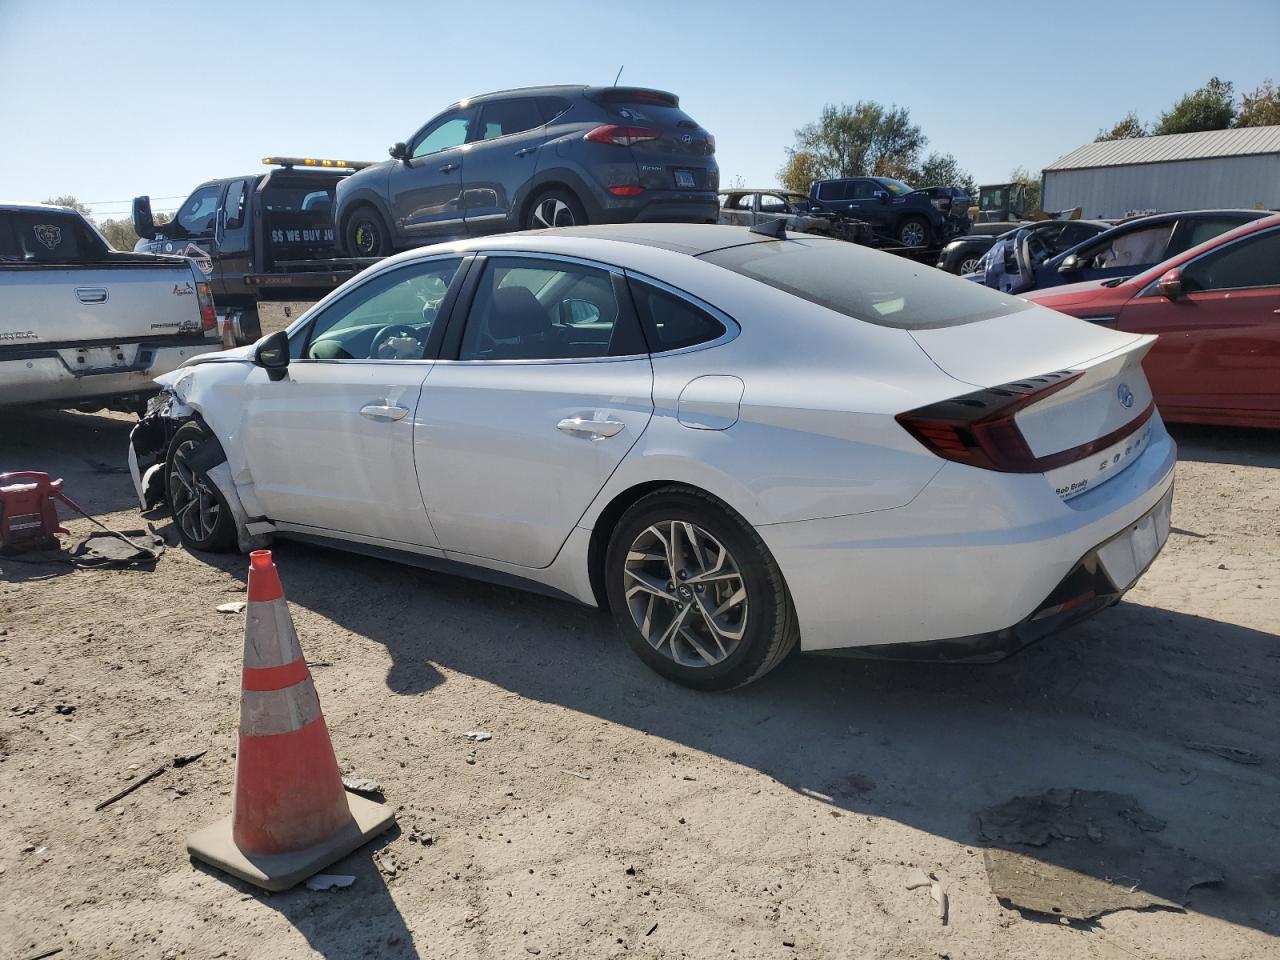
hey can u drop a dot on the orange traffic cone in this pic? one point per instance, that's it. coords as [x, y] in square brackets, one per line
[290, 816]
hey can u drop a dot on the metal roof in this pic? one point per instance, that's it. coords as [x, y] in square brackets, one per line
[1178, 146]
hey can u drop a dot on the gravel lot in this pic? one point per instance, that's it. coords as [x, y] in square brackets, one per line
[612, 814]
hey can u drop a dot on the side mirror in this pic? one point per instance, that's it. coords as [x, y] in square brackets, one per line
[272, 354]
[1171, 284]
[398, 151]
[880, 195]
[144, 225]
[1071, 264]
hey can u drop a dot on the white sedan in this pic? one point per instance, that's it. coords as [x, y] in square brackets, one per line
[734, 442]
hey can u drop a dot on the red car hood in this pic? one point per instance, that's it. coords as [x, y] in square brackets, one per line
[1077, 294]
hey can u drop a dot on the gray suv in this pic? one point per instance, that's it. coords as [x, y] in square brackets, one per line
[533, 158]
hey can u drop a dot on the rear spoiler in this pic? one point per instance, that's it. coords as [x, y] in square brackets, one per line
[636, 95]
[291, 162]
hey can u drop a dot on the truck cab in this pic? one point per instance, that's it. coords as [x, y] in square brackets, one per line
[263, 240]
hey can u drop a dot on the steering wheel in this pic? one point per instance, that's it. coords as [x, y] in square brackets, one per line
[395, 331]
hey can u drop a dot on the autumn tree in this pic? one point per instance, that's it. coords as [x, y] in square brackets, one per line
[1261, 108]
[941, 169]
[866, 139]
[1212, 107]
[1126, 129]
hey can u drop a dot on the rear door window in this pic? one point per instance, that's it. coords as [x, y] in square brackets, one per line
[1252, 261]
[866, 284]
[552, 107]
[502, 118]
[833, 191]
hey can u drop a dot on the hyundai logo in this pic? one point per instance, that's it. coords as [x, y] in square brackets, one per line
[1124, 394]
[686, 138]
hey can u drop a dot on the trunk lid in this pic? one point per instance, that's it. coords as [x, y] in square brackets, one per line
[1090, 429]
[680, 158]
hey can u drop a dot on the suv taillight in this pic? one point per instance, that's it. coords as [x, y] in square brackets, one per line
[620, 136]
[711, 145]
[204, 297]
[979, 429]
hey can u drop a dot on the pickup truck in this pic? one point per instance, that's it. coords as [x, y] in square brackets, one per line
[264, 241]
[914, 218]
[84, 326]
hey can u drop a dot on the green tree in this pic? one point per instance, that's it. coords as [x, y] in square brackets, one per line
[1128, 128]
[1032, 183]
[942, 169]
[799, 171]
[119, 233]
[1212, 107]
[73, 203]
[851, 141]
[1260, 108]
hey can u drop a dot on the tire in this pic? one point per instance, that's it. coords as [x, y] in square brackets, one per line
[967, 263]
[556, 207]
[913, 231]
[366, 234]
[757, 632]
[200, 514]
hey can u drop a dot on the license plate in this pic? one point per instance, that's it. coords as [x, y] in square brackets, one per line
[1126, 556]
[684, 179]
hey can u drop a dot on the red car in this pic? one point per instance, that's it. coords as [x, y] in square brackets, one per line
[1216, 308]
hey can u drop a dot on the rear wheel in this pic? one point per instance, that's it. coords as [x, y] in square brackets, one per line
[202, 517]
[366, 235]
[913, 232]
[968, 263]
[696, 592]
[555, 208]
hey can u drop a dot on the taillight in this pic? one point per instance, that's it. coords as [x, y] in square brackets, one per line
[626, 191]
[620, 136]
[204, 297]
[711, 144]
[979, 429]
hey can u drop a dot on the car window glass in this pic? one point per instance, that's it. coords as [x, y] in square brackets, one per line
[552, 107]
[742, 202]
[501, 118]
[865, 284]
[535, 309]
[834, 190]
[1051, 234]
[1250, 262]
[772, 203]
[47, 238]
[1072, 234]
[1199, 230]
[862, 189]
[388, 318]
[672, 322]
[236, 194]
[447, 132]
[196, 215]
[1135, 248]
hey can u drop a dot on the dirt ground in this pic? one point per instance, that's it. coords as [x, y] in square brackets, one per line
[613, 814]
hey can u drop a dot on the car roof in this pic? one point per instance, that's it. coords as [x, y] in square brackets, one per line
[693, 239]
[15, 206]
[782, 190]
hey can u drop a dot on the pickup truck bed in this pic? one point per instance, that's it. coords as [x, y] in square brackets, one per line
[85, 326]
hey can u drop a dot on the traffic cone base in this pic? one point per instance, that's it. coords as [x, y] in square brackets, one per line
[280, 871]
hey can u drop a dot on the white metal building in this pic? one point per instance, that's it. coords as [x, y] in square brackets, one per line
[1182, 171]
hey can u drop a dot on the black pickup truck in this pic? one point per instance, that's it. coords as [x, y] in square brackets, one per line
[265, 241]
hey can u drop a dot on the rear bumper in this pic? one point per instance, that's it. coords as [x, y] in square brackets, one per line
[973, 561]
[667, 206]
[56, 376]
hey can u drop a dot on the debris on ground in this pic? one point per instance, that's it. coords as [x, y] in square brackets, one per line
[938, 893]
[1124, 868]
[178, 761]
[1234, 754]
[330, 881]
[235, 606]
[478, 736]
[582, 776]
[917, 879]
[363, 786]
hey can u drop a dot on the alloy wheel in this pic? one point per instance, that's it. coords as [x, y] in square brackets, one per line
[969, 265]
[552, 212]
[196, 509]
[912, 234]
[686, 594]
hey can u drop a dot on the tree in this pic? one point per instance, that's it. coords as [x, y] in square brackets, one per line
[1260, 108]
[1212, 107]
[1023, 176]
[943, 169]
[73, 203]
[799, 171]
[865, 139]
[1128, 128]
[119, 233]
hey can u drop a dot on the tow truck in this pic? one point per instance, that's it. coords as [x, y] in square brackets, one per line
[264, 241]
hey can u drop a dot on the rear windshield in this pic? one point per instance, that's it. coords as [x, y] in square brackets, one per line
[866, 284]
[48, 237]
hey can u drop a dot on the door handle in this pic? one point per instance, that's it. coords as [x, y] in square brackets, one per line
[524, 151]
[383, 412]
[91, 294]
[449, 168]
[596, 429]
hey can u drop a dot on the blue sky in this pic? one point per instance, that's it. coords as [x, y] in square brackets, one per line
[105, 100]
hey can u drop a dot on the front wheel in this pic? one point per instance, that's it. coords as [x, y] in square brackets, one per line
[199, 512]
[968, 263]
[555, 208]
[696, 592]
[913, 232]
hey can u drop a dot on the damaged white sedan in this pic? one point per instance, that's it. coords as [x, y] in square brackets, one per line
[738, 443]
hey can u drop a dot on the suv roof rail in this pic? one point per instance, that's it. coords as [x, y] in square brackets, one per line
[290, 162]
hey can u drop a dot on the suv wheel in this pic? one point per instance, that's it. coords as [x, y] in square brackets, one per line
[968, 263]
[555, 208]
[696, 593]
[913, 232]
[202, 517]
[366, 234]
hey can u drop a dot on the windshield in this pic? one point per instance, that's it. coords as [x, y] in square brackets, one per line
[896, 187]
[866, 284]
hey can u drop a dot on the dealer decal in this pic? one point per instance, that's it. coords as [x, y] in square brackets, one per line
[17, 335]
[48, 234]
[184, 290]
